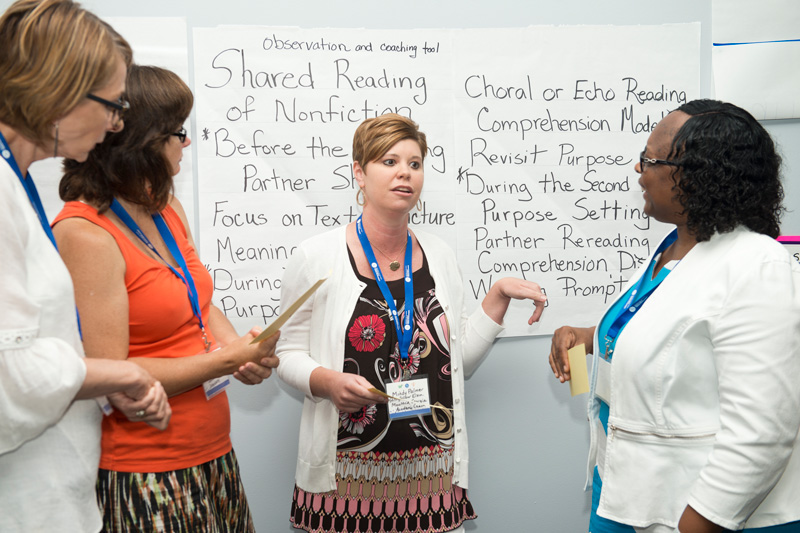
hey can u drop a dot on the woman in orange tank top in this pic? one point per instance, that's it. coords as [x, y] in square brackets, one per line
[144, 295]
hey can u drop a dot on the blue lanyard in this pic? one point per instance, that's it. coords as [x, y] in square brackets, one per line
[172, 246]
[36, 202]
[30, 188]
[633, 304]
[404, 334]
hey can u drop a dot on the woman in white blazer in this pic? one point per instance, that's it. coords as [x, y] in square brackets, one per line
[695, 404]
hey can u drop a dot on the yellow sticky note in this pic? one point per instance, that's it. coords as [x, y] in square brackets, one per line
[579, 376]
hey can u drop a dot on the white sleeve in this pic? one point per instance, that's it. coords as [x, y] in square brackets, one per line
[755, 343]
[478, 330]
[39, 376]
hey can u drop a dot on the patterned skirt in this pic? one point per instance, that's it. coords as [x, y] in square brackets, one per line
[408, 492]
[208, 498]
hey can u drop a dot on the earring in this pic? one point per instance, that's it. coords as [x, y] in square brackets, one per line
[361, 198]
[55, 145]
[420, 205]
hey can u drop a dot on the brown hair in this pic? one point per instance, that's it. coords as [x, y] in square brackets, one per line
[375, 136]
[52, 54]
[131, 164]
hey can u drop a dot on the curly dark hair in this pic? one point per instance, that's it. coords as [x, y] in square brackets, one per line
[131, 164]
[729, 171]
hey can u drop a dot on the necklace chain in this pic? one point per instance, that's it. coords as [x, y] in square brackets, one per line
[394, 264]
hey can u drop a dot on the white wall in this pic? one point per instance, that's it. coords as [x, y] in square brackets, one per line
[528, 438]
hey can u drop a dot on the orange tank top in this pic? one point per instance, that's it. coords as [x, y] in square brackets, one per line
[162, 325]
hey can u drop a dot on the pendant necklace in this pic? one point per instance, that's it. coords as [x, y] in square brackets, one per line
[394, 263]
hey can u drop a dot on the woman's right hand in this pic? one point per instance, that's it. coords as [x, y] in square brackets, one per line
[256, 361]
[348, 392]
[564, 338]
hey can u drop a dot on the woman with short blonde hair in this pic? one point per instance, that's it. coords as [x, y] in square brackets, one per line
[391, 317]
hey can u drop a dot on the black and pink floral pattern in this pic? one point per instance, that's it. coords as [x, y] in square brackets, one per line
[393, 475]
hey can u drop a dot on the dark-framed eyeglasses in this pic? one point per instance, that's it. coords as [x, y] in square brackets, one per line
[181, 134]
[651, 161]
[118, 108]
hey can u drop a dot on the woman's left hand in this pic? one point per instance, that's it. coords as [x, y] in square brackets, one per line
[255, 373]
[152, 409]
[495, 304]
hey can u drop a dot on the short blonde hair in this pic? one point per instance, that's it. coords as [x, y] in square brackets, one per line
[375, 136]
[52, 54]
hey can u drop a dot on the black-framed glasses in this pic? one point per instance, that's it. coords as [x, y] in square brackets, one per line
[118, 108]
[651, 161]
[181, 134]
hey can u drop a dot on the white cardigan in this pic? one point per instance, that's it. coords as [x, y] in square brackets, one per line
[49, 444]
[705, 392]
[315, 337]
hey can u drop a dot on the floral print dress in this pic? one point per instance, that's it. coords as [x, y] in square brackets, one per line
[392, 475]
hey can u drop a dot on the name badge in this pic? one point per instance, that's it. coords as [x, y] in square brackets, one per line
[214, 386]
[104, 404]
[409, 398]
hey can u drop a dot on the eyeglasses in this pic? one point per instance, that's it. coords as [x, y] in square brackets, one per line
[117, 108]
[181, 134]
[651, 161]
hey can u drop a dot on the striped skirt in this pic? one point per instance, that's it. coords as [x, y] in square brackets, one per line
[208, 498]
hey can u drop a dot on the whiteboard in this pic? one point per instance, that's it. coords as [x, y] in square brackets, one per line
[530, 164]
[528, 438]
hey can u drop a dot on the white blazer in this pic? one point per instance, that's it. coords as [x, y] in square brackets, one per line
[705, 392]
[49, 442]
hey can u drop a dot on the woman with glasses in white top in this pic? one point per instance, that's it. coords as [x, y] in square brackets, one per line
[694, 405]
[60, 94]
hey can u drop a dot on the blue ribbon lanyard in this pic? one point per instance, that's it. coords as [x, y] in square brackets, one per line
[404, 333]
[36, 202]
[633, 304]
[172, 246]
[30, 189]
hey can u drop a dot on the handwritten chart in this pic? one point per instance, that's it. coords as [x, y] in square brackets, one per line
[533, 134]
